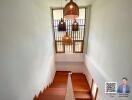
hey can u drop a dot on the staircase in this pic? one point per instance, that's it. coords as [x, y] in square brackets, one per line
[57, 90]
[81, 87]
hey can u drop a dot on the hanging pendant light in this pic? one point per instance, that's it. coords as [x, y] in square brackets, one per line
[67, 39]
[75, 26]
[62, 25]
[71, 10]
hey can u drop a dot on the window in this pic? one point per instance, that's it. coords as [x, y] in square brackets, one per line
[77, 36]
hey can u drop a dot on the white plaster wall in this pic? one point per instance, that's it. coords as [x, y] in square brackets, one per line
[59, 3]
[70, 92]
[70, 66]
[26, 49]
[62, 57]
[109, 55]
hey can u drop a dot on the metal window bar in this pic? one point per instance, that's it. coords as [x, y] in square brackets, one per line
[77, 37]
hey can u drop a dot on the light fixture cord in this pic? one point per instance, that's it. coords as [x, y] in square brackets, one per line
[62, 10]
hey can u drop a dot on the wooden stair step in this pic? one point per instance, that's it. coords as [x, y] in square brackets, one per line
[81, 87]
[56, 85]
[55, 91]
[53, 97]
[82, 95]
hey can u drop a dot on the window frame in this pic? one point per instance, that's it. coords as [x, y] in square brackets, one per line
[74, 41]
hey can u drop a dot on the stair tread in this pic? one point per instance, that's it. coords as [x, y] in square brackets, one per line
[56, 85]
[79, 82]
[82, 95]
[53, 97]
[55, 91]
[81, 87]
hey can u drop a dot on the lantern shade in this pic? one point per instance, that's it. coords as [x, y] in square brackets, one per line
[62, 25]
[71, 10]
[75, 26]
[67, 39]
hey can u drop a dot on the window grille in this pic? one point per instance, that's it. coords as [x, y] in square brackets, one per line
[77, 36]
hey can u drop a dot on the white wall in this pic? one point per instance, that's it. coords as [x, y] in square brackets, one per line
[70, 66]
[69, 92]
[75, 57]
[109, 55]
[26, 49]
[59, 3]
